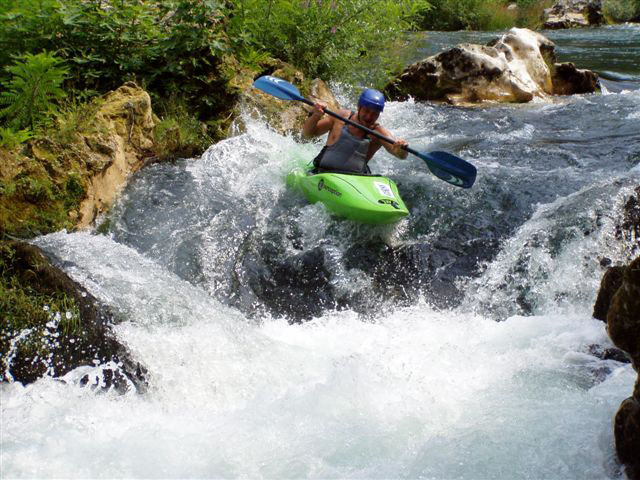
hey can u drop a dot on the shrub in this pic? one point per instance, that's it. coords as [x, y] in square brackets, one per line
[33, 90]
[620, 10]
[10, 138]
[75, 117]
[481, 14]
[179, 132]
[104, 44]
[323, 38]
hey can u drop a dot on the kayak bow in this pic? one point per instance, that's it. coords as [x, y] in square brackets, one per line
[358, 197]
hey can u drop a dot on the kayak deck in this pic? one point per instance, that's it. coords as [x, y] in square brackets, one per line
[359, 197]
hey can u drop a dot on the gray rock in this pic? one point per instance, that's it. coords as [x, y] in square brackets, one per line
[512, 68]
[573, 13]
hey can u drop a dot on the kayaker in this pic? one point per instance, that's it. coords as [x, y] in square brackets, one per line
[348, 148]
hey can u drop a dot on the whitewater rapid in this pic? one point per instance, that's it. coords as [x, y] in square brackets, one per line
[418, 394]
[504, 384]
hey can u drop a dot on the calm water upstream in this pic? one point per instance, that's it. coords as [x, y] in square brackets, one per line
[455, 344]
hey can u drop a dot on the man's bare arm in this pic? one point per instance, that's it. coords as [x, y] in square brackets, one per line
[317, 123]
[397, 148]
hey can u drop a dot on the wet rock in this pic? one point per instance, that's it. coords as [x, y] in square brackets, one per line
[64, 342]
[430, 270]
[609, 285]
[623, 324]
[573, 13]
[614, 354]
[569, 80]
[623, 318]
[629, 230]
[511, 68]
[297, 287]
[627, 436]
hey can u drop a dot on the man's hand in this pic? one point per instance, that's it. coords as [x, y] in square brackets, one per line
[398, 148]
[315, 125]
[318, 109]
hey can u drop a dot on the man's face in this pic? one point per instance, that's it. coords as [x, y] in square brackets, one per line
[367, 116]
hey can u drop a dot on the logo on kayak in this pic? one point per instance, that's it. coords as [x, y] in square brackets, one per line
[384, 189]
[388, 201]
[455, 180]
[322, 186]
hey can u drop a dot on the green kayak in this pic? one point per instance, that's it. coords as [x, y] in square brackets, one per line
[359, 197]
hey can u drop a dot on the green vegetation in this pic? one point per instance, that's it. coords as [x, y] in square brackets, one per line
[618, 11]
[32, 90]
[40, 316]
[323, 38]
[482, 14]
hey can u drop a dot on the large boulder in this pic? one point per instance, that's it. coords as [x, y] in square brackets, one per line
[512, 68]
[573, 13]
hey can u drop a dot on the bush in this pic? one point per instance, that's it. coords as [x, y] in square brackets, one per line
[179, 133]
[323, 38]
[33, 90]
[10, 139]
[162, 45]
[617, 11]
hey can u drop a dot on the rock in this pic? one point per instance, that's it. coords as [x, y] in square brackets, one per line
[623, 318]
[627, 436]
[126, 122]
[629, 230]
[609, 285]
[297, 287]
[80, 170]
[565, 20]
[568, 80]
[55, 345]
[511, 68]
[623, 324]
[573, 13]
[608, 353]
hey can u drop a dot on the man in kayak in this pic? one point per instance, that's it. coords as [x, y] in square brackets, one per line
[348, 148]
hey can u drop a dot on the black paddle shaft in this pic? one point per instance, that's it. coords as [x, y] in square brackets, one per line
[361, 127]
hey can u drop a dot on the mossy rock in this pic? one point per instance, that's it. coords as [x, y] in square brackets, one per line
[51, 324]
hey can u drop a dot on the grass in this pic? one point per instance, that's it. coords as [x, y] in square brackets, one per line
[179, 133]
[25, 309]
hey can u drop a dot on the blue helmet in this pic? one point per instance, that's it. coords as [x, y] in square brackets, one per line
[372, 99]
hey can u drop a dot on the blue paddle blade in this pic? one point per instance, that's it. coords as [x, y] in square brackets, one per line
[450, 168]
[278, 88]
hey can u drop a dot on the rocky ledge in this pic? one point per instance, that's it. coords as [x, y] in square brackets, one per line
[573, 13]
[618, 303]
[516, 67]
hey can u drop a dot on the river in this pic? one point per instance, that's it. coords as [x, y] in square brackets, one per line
[284, 343]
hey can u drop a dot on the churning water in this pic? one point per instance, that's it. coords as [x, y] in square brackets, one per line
[456, 344]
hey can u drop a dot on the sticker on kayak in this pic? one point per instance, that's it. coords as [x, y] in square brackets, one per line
[384, 189]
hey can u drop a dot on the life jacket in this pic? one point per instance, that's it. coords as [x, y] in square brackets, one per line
[348, 154]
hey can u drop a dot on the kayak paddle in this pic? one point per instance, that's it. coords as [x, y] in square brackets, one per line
[443, 165]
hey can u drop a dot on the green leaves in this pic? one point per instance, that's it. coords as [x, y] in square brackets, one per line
[10, 139]
[324, 38]
[33, 89]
